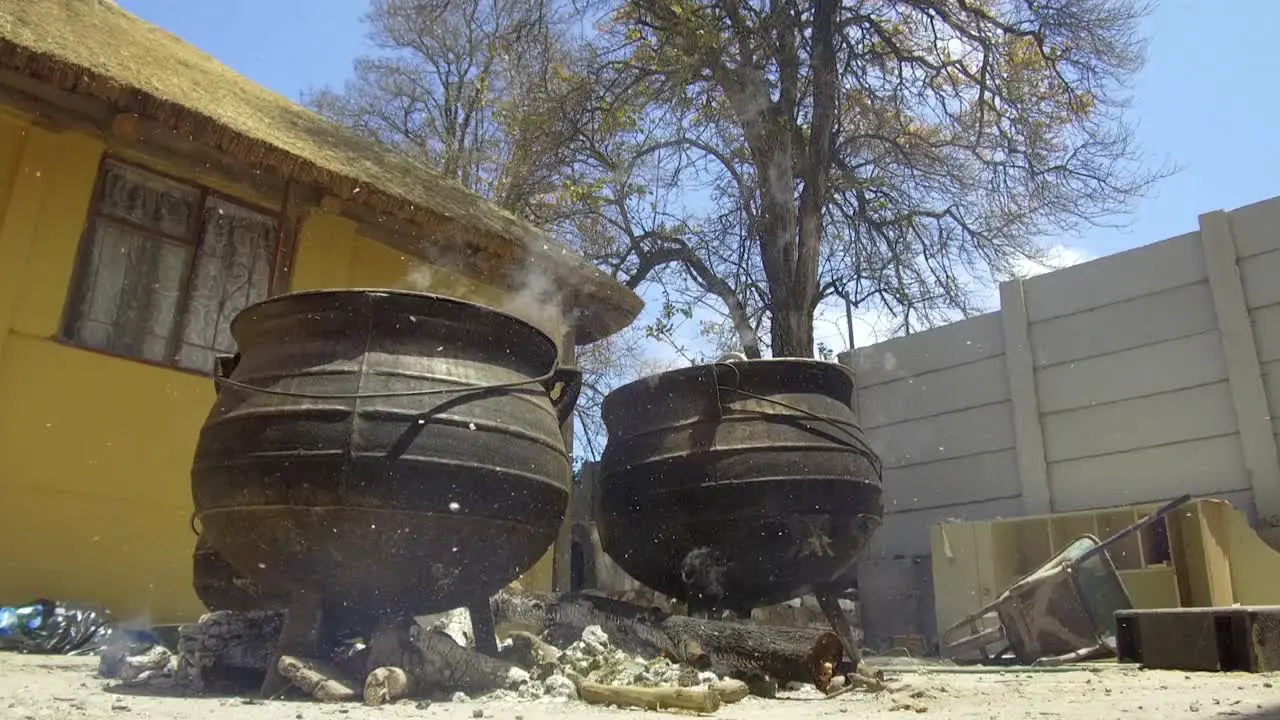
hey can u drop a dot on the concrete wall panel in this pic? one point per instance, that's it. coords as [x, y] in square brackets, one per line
[1260, 275]
[1271, 381]
[956, 388]
[906, 534]
[1148, 474]
[955, 344]
[1256, 227]
[1145, 370]
[951, 481]
[1192, 414]
[1166, 315]
[1266, 332]
[968, 432]
[1146, 385]
[1116, 278]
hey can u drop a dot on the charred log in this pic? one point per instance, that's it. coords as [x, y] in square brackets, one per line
[537, 625]
[732, 648]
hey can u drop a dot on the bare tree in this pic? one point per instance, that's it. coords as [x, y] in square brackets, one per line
[492, 93]
[465, 85]
[883, 151]
[760, 157]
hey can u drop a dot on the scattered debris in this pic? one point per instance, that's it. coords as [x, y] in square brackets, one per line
[1063, 612]
[407, 661]
[621, 655]
[45, 627]
[753, 653]
[135, 663]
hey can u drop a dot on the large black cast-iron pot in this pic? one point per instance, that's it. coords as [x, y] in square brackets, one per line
[737, 484]
[323, 467]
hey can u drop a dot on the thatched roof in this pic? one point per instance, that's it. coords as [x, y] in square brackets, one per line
[92, 47]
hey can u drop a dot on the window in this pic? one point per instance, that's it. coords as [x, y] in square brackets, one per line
[163, 269]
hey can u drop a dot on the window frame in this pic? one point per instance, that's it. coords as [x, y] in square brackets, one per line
[279, 270]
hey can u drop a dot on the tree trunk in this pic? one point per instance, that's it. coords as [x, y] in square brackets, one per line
[791, 327]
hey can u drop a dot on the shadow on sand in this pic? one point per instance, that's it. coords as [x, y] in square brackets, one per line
[1266, 711]
[245, 689]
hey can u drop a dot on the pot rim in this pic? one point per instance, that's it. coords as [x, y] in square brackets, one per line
[702, 368]
[755, 361]
[555, 343]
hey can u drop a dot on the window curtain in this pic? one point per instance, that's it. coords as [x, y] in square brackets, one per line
[131, 277]
[147, 292]
[232, 270]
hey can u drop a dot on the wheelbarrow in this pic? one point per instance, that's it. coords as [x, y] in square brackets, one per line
[1064, 611]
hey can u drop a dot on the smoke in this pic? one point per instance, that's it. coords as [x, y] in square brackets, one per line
[535, 298]
[420, 278]
[538, 300]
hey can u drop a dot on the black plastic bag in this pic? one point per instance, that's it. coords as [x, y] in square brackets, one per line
[45, 627]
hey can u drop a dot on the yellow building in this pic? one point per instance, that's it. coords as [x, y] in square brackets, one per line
[147, 192]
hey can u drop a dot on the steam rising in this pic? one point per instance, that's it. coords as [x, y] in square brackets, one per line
[536, 298]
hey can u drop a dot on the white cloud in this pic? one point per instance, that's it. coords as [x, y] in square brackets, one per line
[1058, 257]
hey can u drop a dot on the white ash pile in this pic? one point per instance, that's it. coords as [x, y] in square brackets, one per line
[432, 658]
[594, 671]
[556, 674]
[454, 623]
[132, 664]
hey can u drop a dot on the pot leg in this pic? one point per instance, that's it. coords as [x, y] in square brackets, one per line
[482, 628]
[298, 638]
[863, 675]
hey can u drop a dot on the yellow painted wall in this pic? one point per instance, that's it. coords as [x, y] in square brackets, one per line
[95, 451]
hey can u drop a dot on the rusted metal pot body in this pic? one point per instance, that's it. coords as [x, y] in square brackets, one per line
[757, 467]
[404, 503]
[220, 587]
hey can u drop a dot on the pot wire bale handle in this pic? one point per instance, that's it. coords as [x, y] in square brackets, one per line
[856, 441]
[220, 379]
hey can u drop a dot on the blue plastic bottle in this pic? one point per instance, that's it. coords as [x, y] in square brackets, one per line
[16, 622]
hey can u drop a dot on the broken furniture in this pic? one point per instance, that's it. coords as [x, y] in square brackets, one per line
[1239, 639]
[375, 453]
[1064, 610]
[739, 484]
[1044, 615]
[1203, 555]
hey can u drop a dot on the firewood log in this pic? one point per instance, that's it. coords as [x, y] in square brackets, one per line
[733, 648]
[317, 679]
[702, 700]
[434, 662]
[387, 684]
[730, 690]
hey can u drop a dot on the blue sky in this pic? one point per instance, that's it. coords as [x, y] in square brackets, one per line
[1204, 100]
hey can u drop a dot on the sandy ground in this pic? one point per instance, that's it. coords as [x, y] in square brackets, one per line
[56, 687]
